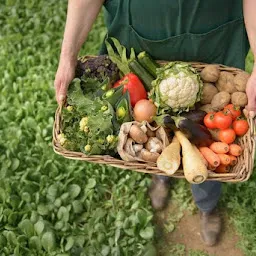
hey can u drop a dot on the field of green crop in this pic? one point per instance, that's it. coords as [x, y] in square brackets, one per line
[53, 206]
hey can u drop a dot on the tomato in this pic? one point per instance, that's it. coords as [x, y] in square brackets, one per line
[233, 110]
[227, 136]
[209, 120]
[240, 127]
[134, 86]
[222, 121]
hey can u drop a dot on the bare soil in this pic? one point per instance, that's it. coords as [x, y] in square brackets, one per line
[182, 228]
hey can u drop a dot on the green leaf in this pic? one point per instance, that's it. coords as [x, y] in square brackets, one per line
[11, 238]
[52, 192]
[42, 209]
[2, 195]
[48, 241]
[70, 243]
[147, 233]
[27, 227]
[77, 206]
[3, 241]
[15, 164]
[74, 190]
[35, 243]
[91, 183]
[63, 214]
[105, 250]
[39, 227]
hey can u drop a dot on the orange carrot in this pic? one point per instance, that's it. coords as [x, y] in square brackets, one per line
[235, 150]
[212, 158]
[211, 168]
[219, 147]
[224, 159]
[222, 168]
[233, 160]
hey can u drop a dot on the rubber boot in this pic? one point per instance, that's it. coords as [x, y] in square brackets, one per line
[159, 192]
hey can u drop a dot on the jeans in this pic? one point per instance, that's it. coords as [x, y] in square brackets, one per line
[206, 194]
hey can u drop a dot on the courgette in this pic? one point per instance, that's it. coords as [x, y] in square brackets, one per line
[145, 77]
[148, 63]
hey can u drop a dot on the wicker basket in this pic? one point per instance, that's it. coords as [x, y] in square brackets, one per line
[241, 172]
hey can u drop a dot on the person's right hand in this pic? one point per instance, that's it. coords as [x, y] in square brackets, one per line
[63, 77]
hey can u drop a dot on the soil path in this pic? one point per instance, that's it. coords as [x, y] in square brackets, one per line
[180, 235]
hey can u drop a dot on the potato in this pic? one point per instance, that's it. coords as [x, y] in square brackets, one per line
[240, 81]
[210, 73]
[209, 90]
[225, 82]
[220, 100]
[207, 108]
[239, 99]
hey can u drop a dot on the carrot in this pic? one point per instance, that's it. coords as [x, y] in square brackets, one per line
[219, 147]
[222, 168]
[235, 150]
[212, 158]
[169, 160]
[233, 160]
[200, 154]
[194, 168]
[211, 168]
[224, 159]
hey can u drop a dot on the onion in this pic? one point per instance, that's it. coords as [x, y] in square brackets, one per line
[144, 110]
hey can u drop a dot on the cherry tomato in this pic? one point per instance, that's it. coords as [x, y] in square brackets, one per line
[209, 120]
[222, 121]
[233, 110]
[227, 136]
[240, 127]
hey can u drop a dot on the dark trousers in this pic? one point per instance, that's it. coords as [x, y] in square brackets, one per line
[206, 194]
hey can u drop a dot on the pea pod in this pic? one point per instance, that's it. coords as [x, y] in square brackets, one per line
[123, 109]
[113, 95]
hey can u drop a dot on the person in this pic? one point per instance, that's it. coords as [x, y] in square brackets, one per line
[210, 31]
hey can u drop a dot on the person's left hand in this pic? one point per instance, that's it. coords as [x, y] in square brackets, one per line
[251, 93]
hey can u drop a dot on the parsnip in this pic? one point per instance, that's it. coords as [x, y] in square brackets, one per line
[194, 168]
[169, 160]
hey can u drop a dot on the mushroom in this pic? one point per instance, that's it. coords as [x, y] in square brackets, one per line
[148, 156]
[137, 147]
[154, 145]
[151, 133]
[137, 134]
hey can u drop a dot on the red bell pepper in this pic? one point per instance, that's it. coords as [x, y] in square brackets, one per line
[134, 86]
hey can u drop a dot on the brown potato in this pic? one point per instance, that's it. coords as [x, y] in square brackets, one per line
[240, 81]
[220, 100]
[225, 82]
[207, 108]
[210, 73]
[239, 99]
[209, 90]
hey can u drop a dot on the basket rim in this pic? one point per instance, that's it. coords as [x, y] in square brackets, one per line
[244, 174]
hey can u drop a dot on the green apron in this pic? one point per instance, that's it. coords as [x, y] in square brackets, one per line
[210, 31]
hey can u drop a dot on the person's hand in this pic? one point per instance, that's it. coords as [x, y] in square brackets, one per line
[63, 77]
[251, 93]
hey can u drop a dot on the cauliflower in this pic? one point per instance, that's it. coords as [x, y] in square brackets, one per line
[83, 124]
[61, 138]
[178, 86]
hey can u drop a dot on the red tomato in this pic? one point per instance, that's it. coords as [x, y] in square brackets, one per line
[234, 111]
[240, 127]
[134, 86]
[227, 136]
[222, 121]
[209, 121]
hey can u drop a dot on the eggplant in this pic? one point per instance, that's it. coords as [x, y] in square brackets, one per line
[196, 133]
[196, 116]
[165, 121]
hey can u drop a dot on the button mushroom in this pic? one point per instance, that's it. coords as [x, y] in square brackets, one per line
[148, 156]
[137, 134]
[154, 145]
